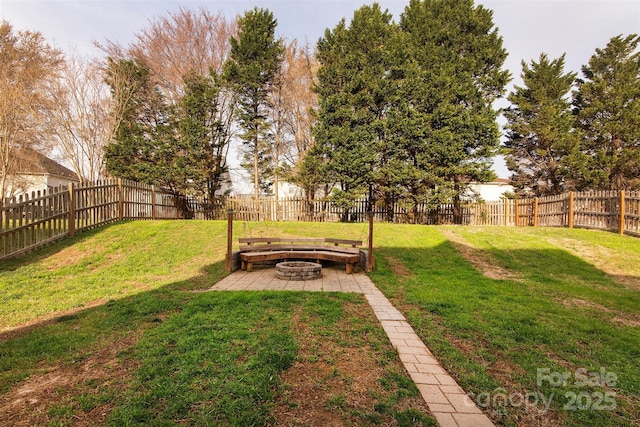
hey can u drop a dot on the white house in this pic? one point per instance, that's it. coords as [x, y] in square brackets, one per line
[491, 191]
[31, 171]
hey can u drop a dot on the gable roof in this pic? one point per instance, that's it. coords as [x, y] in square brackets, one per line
[31, 162]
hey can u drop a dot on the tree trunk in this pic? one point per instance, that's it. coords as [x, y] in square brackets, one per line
[256, 181]
[276, 180]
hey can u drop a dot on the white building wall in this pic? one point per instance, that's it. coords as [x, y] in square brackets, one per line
[28, 184]
[491, 191]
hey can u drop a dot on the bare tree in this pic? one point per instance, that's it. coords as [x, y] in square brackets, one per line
[293, 101]
[28, 67]
[82, 123]
[178, 45]
[175, 48]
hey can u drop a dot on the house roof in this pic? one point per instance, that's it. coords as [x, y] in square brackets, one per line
[31, 162]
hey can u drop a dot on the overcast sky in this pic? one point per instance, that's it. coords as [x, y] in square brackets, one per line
[528, 27]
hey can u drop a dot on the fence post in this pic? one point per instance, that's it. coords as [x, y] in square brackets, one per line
[515, 212]
[535, 212]
[72, 211]
[572, 195]
[506, 212]
[228, 265]
[622, 213]
[120, 200]
[370, 243]
[153, 202]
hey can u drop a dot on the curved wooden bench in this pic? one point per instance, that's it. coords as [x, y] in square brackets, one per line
[264, 249]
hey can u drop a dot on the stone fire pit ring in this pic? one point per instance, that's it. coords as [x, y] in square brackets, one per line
[298, 270]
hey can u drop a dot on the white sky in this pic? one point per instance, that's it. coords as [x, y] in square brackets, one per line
[528, 27]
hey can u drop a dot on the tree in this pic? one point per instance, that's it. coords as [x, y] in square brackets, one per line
[452, 78]
[184, 53]
[81, 122]
[292, 100]
[353, 91]
[254, 61]
[178, 45]
[28, 66]
[541, 144]
[143, 146]
[607, 108]
[203, 138]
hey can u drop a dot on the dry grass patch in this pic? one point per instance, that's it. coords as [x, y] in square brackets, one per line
[480, 260]
[618, 317]
[338, 380]
[85, 390]
[623, 270]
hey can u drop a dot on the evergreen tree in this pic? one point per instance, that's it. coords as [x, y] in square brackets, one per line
[452, 79]
[607, 107]
[203, 138]
[255, 58]
[540, 142]
[143, 144]
[353, 89]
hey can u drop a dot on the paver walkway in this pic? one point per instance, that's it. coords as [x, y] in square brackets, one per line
[446, 400]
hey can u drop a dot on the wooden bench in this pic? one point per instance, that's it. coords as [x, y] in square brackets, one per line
[264, 249]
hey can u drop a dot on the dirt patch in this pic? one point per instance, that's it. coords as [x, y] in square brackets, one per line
[625, 272]
[334, 383]
[397, 267]
[70, 255]
[618, 317]
[85, 389]
[480, 260]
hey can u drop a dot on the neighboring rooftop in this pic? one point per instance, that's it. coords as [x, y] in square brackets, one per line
[31, 162]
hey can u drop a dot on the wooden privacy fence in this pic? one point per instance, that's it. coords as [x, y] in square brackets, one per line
[32, 221]
[28, 222]
[293, 209]
[616, 211]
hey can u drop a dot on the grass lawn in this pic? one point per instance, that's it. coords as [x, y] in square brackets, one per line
[109, 328]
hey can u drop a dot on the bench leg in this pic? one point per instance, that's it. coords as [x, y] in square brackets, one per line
[348, 268]
[249, 267]
[243, 265]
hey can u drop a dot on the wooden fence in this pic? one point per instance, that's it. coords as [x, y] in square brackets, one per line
[616, 211]
[293, 209]
[30, 222]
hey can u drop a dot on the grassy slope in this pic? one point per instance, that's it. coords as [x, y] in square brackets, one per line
[158, 353]
[558, 310]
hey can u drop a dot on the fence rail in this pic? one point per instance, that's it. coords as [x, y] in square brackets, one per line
[30, 222]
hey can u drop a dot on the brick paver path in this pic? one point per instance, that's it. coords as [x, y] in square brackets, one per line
[447, 401]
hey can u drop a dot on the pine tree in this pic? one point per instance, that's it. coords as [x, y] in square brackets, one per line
[541, 144]
[607, 106]
[452, 79]
[143, 144]
[353, 90]
[203, 138]
[255, 58]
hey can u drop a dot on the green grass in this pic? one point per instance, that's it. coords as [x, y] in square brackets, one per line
[571, 301]
[558, 313]
[166, 354]
[109, 263]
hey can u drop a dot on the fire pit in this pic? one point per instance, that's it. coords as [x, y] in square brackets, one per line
[298, 270]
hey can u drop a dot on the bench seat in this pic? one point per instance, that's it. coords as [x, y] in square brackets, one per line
[248, 258]
[264, 249]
